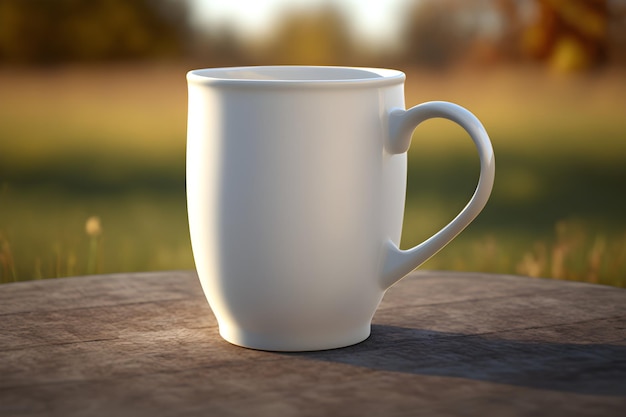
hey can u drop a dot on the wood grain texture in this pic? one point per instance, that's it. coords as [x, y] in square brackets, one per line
[442, 343]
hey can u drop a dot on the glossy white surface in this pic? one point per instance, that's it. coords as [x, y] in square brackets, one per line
[296, 180]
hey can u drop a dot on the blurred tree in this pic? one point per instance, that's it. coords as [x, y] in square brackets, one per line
[317, 37]
[568, 34]
[432, 33]
[439, 33]
[222, 47]
[44, 32]
[617, 32]
[508, 42]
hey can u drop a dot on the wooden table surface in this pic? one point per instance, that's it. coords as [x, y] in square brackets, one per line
[442, 344]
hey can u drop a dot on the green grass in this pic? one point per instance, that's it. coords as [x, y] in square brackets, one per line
[47, 237]
[109, 142]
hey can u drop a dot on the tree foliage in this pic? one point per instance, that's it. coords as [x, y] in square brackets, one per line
[432, 35]
[318, 37]
[45, 32]
[563, 34]
[569, 35]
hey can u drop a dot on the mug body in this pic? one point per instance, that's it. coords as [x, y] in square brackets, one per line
[291, 198]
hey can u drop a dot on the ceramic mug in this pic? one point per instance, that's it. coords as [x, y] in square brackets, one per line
[296, 182]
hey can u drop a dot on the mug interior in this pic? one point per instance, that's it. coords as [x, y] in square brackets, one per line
[296, 74]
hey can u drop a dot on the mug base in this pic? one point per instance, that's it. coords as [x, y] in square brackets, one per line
[294, 343]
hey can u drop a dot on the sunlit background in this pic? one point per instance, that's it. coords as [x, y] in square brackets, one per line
[93, 108]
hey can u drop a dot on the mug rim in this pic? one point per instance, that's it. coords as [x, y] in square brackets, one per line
[295, 75]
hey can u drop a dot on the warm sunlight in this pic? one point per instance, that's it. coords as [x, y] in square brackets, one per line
[375, 20]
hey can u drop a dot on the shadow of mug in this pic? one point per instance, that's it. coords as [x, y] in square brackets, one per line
[594, 369]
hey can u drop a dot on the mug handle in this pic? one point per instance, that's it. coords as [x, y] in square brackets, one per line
[401, 124]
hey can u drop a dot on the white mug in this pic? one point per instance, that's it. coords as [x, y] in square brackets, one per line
[296, 182]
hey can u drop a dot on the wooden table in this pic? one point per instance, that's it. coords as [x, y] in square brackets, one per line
[443, 343]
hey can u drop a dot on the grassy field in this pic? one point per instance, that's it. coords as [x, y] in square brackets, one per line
[80, 143]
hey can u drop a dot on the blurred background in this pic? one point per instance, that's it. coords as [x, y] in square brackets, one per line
[93, 120]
